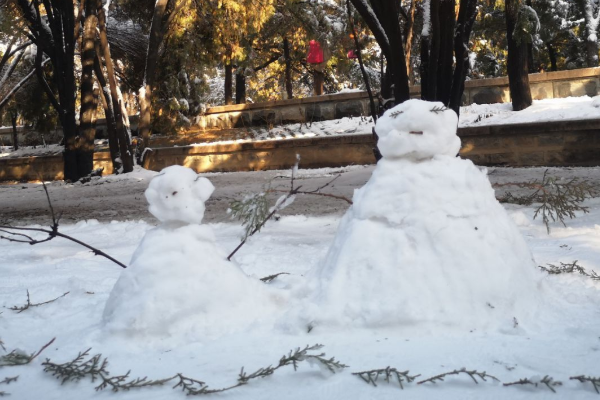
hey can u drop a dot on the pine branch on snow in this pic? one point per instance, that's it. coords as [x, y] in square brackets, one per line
[388, 373]
[547, 381]
[254, 212]
[566, 268]
[96, 368]
[7, 381]
[19, 357]
[593, 380]
[29, 304]
[472, 374]
[270, 278]
[558, 200]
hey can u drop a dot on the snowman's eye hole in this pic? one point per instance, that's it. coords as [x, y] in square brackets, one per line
[416, 132]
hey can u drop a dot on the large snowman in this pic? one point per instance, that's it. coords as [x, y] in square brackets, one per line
[179, 282]
[425, 240]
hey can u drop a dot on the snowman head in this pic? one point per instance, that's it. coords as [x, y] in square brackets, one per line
[178, 194]
[417, 130]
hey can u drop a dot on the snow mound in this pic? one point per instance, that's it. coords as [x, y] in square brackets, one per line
[178, 194]
[418, 130]
[596, 101]
[179, 282]
[425, 241]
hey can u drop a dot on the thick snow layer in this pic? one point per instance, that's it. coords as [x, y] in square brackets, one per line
[570, 108]
[564, 344]
[426, 243]
[178, 194]
[417, 130]
[179, 283]
[425, 240]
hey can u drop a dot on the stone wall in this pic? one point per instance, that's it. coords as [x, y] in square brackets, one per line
[547, 85]
[563, 143]
[558, 143]
[46, 168]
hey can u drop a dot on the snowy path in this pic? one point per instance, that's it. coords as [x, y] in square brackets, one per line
[122, 197]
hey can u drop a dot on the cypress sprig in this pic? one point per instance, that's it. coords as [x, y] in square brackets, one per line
[19, 357]
[569, 268]
[95, 368]
[388, 373]
[472, 374]
[547, 381]
[593, 380]
[558, 200]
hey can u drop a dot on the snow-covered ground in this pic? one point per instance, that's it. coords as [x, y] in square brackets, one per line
[562, 342]
[425, 273]
[570, 108]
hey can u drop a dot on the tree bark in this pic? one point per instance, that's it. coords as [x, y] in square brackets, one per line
[383, 19]
[288, 68]
[87, 126]
[240, 88]
[518, 78]
[446, 53]
[122, 132]
[157, 33]
[410, 27]
[591, 47]
[429, 86]
[107, 104]
[467, 13]
[228, 83]
[13, 118]
[552, 57]
[318, 80]
[54, 35]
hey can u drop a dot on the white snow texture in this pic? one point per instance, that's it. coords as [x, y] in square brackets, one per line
[178, 194]
[425, 240]
[179, 282]
[412, 131]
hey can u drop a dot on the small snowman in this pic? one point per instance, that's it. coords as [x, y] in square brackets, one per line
[179, 281]
[425, 241]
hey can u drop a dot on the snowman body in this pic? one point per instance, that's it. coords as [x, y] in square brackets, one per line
[425, 240]
[179, 281]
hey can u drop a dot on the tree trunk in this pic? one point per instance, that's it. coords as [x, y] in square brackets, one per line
[240, 88]
[410, 27]
[429, 85]
[591, 47]
[54, 36]
[390, 13]
[122, 133]
[446, 57]
[157, 33]
[228, 83]
[288, 68]
[464, 25]
[518, 78]
[552, 57]
[107, 104]
[383, 20]
[318, 81]
[87, 127]
[13, 118]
